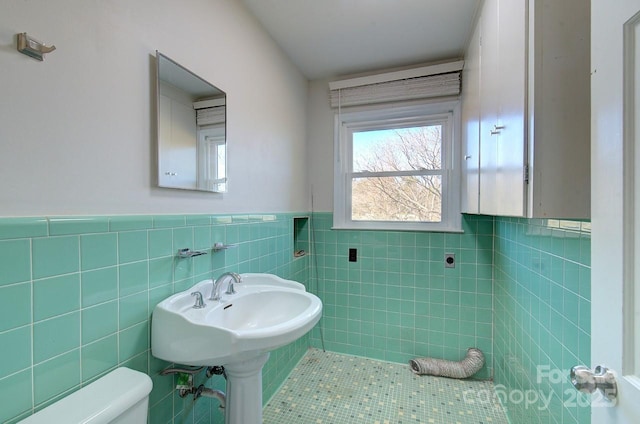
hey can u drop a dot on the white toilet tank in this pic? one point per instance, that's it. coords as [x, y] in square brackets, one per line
[120, 397]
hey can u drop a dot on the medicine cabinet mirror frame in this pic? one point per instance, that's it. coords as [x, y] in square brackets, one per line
[191, 119]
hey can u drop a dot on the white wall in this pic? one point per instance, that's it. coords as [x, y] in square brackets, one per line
[320, 124]
[77, 131]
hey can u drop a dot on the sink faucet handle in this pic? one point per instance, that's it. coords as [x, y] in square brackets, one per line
[235, 279]
[199, 302]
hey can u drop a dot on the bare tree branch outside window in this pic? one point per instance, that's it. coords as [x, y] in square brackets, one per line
[414, 197]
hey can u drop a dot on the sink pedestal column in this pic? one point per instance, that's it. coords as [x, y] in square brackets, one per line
[244, 391]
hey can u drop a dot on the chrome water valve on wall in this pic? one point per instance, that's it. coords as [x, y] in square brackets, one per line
[587, 381]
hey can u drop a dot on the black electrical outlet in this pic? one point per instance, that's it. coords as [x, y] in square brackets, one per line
[353, 255]
[449, 260]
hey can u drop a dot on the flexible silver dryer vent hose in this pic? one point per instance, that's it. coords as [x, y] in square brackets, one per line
[470, 365]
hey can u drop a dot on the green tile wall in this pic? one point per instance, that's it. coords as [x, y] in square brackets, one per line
[542, 318]
[398, 301]
[76, 295]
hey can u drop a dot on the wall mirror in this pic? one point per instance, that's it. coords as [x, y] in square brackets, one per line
[192, 144]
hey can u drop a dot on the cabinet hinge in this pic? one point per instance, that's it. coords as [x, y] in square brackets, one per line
[526, 174]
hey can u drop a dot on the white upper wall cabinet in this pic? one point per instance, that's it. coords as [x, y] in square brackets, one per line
[526, 110]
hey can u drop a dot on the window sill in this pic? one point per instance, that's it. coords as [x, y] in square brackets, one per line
[404, 227]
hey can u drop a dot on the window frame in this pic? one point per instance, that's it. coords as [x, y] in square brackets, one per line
[398, 116]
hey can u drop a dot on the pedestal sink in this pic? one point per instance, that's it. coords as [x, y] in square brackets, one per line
[238, 332]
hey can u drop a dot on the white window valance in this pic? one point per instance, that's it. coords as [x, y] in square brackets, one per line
[210, 112]
[210, 115]
[440, 80]
[393, 91]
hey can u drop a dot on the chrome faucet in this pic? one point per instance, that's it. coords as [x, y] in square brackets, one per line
[233, 279]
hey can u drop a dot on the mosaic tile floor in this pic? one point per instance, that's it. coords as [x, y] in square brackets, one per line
[330, 388]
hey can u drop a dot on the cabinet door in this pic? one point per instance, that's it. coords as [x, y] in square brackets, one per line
[489, 92]
[471, 125]
[177, 140]
[510, 128]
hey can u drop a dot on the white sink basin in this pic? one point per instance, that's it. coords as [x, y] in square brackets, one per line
[267, 312]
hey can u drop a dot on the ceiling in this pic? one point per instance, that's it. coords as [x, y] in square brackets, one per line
[329, 38]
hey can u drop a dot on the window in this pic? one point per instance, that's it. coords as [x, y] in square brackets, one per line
[395, 168]
[212, 154]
